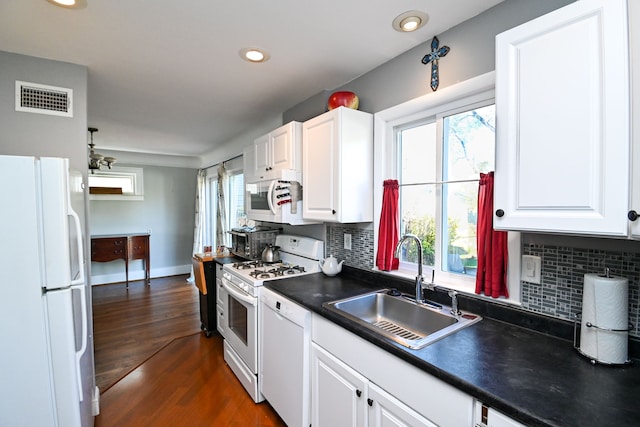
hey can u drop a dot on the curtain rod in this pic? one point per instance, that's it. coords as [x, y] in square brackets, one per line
[223, 162]
[441, 182]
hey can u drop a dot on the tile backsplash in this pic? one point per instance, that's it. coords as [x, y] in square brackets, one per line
[562, 276]
[361, 253]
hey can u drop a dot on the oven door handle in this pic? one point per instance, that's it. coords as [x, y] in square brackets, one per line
[239, 295]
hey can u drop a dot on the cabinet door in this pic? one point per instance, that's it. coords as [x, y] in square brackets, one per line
[282, 148]
[249, 163]
[562, 157]
[138, 247]
[320, 167]
[387, 411]
[262, 157]
[634, 47]
[338, 392]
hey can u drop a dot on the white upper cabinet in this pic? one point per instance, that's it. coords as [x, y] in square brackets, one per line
[278, 150]
[563, 127]
[337, 166]
[634, 48]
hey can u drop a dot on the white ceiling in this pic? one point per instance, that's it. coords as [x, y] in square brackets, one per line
[165, 76]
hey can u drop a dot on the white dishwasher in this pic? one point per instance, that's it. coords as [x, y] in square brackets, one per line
[284, 357]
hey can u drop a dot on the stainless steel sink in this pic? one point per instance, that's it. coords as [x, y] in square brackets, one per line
[401, 319]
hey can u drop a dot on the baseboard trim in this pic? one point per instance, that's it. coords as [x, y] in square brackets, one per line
[139, 274]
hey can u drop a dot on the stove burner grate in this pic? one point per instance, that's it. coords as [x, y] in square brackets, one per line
[264, 272]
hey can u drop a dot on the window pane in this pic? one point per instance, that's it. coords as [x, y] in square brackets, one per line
[418, 154]
[418, 216]
[123, 182]
[236, 199]
[468, 149]
[418, 202]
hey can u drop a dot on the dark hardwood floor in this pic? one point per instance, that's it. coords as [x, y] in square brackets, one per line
[131, 325]
[155, 368]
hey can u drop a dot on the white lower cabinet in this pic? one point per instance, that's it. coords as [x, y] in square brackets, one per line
[338, 393]
[489, 417]
[343, 397]
[356, 383]
[387, 411]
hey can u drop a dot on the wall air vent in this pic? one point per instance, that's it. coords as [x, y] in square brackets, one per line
[42, 99]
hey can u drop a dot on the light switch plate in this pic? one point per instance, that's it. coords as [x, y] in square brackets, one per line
[347, 241]
[530, 269]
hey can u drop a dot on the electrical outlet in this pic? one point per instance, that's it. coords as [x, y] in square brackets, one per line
[347, 241]
[530, 269]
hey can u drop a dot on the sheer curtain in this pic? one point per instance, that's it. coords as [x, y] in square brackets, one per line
[200, 217]
[491, 277]
[388, 233]
[221, 221]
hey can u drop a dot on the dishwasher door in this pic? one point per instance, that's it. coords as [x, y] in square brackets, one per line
[284, 355]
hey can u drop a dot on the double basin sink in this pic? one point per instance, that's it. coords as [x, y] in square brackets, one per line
[402, 319]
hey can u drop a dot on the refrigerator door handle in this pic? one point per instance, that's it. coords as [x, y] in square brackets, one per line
[78, 236]
[83, 343]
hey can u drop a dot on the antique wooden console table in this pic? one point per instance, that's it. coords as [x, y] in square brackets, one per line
[127, 247]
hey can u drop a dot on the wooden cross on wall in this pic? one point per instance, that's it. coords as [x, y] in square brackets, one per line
[433, 57]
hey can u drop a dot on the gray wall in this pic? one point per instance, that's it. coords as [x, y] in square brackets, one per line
[168, 210]
[405, 77]
[29, 134]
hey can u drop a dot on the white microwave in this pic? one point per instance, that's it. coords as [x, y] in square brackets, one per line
[271, 200]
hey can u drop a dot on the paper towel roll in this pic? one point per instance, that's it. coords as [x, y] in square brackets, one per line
[605, 304]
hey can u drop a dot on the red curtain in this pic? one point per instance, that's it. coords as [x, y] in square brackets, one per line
[491, 277]
[388, 232]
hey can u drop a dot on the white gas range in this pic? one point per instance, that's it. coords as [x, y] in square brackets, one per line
[241, 284]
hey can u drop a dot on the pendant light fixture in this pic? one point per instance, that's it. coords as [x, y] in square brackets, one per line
[96, 161]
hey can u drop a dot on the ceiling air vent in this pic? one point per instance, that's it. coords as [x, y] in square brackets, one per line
[43, 99]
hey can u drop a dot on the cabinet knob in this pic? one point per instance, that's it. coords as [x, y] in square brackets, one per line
[358, 393]
[632, 215]
[333, 211]
[370, 402]
[499, 213]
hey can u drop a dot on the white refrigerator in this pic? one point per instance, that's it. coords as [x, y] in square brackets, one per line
[46, 358]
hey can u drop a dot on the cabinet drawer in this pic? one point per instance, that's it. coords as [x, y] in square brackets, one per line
[138, 247]
[108, 249]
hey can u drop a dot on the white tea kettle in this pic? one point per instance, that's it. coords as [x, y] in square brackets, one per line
[330, 266]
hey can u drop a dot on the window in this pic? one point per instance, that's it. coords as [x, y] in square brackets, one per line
[234, 200]
[436, 146]
[440, 160]
[118, 183]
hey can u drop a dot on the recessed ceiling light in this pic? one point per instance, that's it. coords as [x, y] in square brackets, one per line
[410, 21]
[69, 4]
[253, 54]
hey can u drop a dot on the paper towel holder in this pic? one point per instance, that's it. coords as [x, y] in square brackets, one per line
[576, 340]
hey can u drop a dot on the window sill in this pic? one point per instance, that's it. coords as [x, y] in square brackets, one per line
[119, 197]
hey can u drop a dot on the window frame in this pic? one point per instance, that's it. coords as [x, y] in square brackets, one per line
[135, 175]
[470, 93]
[212, 205]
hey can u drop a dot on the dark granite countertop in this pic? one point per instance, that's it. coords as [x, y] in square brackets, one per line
[535, 378]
